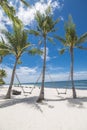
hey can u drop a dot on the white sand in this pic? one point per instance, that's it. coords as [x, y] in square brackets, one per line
[57, 112]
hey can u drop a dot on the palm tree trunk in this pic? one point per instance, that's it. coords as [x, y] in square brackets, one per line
[8, 95]
[72, 64]
[41, 96]
[1, 58]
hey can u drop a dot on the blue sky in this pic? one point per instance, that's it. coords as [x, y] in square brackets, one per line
[57, 66]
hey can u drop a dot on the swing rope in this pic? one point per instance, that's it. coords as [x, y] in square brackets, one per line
[56, 88]
[35, 83]
[19, 85]
[32, 87]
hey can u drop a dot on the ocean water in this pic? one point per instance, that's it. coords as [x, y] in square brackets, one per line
[79, 84]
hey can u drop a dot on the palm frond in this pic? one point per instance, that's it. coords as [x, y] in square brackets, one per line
[56, 21]
[36, 33]
[62, 51]
[4, 52]
[48, 10]
[62, 40]
[19, 62]
[25, 3]
[35, 51]
[10, 12]
[50, 39]
[81, 47]
[82, 39]
[69, 25]
[3, 45]
[2, 73]
[45, 22]
[26, 46]
[54, 29]
[17, 42]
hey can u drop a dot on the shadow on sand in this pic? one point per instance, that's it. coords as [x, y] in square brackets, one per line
[28, 101]
[78, 102]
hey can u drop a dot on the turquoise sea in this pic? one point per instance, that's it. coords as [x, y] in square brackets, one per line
[79, 84]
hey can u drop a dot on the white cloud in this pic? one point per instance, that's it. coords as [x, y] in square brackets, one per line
[80, 75]
[65, 76]
[26, 70]
[2, 24]
[27, 15]
[25, 74]
[53, 69]
[4, 21]
[47, 52]
[28, 75]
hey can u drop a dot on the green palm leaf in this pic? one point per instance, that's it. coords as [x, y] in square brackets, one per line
[25, 3]
[62, 40]
[62, 51]
[35, 51]
[2, 73]
[82, 48]
[10, 12]
[57, 21]
[36, 33]
[51, 40]
[19, 62]
[82, 39]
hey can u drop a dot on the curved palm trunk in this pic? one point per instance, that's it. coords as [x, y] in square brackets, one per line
[8, 95]
[41, 96]
[72, 81]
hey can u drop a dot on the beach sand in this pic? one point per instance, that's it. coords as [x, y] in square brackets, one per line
[56, 112]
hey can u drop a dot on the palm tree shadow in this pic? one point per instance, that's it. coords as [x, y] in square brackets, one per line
[58, 98]
[61, 99]
[78, 102]
[29, 101]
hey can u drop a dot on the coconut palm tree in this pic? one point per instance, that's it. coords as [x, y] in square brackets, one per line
[2, 75]
[45, 25]
[10, 12]
[70, 42]
[17, 46]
